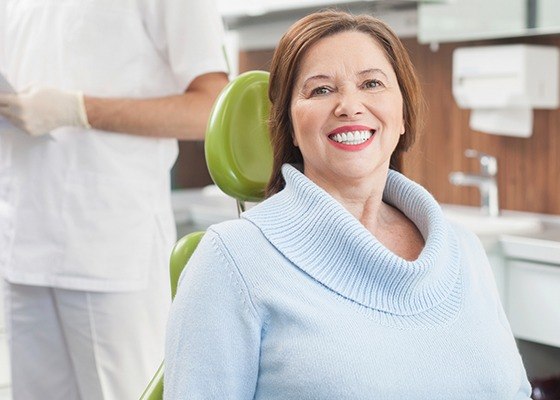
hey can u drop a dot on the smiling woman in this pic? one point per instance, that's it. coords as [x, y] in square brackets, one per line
[348, 282]
[347, 116]
[291, 54]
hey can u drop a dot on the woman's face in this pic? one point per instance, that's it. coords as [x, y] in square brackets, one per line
[346, 110]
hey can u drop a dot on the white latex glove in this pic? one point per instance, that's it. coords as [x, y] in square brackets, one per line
[39, 110]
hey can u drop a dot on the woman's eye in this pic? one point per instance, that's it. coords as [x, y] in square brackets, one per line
[319, 91]
[372, 84]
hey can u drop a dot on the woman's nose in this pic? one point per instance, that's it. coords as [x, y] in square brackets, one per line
[349, 105]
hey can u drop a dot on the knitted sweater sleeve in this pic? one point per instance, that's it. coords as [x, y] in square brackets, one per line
[213, 334]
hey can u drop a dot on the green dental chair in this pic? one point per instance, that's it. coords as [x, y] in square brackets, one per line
[239, 158]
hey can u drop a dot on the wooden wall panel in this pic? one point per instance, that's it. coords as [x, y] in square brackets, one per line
[257, 59]
[190, 169]
[528, 169]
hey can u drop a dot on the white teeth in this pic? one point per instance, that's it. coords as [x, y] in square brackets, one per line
[352, 138]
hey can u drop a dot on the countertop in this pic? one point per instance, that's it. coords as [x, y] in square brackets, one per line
[536, 238]
[196, 209]
[541, 246]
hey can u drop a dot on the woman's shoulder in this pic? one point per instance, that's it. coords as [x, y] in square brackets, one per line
[466, 237]
[236, 237]
[239, 247]
[232, 226]
[472, 250]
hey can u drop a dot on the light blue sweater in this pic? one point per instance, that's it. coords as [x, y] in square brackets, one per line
[297, 301]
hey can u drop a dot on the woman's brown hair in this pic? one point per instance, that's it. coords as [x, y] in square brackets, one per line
[285, 67]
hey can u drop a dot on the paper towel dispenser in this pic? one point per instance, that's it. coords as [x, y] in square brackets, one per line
[502, 84]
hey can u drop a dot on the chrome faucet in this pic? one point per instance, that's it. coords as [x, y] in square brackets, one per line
[485, 181]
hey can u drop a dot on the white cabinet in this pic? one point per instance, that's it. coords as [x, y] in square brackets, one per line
[533, 296]
[257, 7]
[259, 24]
[232, 8]
[239, 8]
[532, 284]
[471, 19]
[548, 14]
[459, 20]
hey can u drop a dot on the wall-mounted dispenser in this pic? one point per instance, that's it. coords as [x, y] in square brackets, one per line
[503, 84]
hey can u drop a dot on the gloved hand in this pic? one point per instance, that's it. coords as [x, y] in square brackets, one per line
[39, 110]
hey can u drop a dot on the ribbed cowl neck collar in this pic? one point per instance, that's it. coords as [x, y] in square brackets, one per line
[318, 235]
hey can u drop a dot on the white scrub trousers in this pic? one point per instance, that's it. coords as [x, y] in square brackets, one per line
[69, 344]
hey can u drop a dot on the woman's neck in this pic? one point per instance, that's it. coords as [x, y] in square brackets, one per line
[363, 198]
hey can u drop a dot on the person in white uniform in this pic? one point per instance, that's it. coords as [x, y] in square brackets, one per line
[103, 90]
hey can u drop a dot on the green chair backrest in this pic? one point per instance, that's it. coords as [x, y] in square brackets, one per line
[239, 159]
[237, 146]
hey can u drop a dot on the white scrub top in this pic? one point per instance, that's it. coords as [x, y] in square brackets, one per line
[86, 209]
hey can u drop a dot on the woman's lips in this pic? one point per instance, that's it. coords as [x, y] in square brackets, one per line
[352, 140]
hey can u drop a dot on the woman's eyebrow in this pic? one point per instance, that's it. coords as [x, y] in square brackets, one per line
[309, 80]
[373, 71]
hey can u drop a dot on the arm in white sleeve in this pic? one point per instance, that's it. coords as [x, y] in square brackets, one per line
[213, 334]
[188, 36]
[39, 110]
[182, 116]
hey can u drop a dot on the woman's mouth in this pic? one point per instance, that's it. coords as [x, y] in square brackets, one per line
[352, 138]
